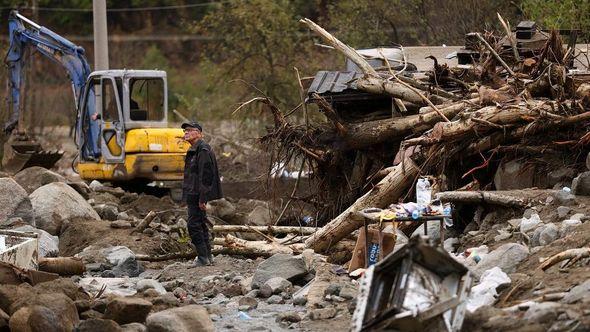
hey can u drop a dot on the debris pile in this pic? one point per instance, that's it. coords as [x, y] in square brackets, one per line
[502, 137]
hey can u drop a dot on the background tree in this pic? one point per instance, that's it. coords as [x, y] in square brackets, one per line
[565, 14]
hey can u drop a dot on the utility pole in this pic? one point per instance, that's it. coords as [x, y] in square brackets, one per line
[101, 46]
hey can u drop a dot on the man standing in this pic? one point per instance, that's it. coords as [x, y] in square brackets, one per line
[201, 184]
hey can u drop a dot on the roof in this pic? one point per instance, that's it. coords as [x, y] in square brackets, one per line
[333, 81]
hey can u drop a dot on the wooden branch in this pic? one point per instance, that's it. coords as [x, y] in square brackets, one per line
[348, 51]
[489, 197]
[264, 229]
[510, 37]
[330, 113]
[145, 222]
[568, 254]
[426, 100]
[310, 153]
[378, 85]
[494, 53]
[437, 91]
[387, 191]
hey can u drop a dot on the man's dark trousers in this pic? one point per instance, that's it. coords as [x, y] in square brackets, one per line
[197, 228]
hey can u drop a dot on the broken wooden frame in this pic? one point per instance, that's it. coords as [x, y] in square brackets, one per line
[416, 288]
[22, 249]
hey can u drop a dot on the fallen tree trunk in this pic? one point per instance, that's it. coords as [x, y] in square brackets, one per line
[264, 229]
[166, 257]
[64, 266]
[378, 85]
[498, 138]
[491, 117]
[361, 135]
[232, 245]
[387, 191]
[488, 197]
[574, 254]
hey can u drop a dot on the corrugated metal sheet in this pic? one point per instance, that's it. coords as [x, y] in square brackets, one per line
[333, 81]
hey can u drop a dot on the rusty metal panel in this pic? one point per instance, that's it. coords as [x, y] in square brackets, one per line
[333, 81]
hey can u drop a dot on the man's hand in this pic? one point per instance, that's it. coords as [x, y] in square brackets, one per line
[203, 206]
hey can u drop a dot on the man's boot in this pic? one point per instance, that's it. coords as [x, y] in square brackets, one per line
[209, 253]
[202, 253]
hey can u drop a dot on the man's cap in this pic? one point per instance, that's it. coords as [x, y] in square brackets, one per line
[191, 124]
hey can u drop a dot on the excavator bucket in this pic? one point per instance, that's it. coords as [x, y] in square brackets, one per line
[19, 155]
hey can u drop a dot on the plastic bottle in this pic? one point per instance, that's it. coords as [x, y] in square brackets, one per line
[307, 220]
[243, 316]
[423, 192]
[447, 212]
[416, 214]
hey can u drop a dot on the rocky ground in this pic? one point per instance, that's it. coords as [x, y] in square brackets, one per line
[120, 292]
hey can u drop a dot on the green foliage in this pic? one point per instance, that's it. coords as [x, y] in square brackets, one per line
[378, 25]
[258, 41]
[565, 14]
[370, 23]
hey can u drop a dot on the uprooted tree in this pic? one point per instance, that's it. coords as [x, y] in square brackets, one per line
[459, 125]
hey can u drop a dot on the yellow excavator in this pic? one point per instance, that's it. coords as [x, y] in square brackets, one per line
[122, 129]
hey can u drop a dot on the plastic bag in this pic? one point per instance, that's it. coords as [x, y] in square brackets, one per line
[423, 192]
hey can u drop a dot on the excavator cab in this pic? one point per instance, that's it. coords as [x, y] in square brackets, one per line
[131, 139]
[122, 129]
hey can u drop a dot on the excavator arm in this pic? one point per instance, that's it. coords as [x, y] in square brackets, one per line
[24, 33]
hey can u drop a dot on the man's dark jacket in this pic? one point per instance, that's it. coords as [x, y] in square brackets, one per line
[201, 176]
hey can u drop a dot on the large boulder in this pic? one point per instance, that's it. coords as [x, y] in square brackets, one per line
[48, 244]
[184, 319]
[124, 310]
[34, 177]
[120, 260]
[507, 257]
[285, 266]
[260, 216]
[581, 184]
[98, 324]
[14, 202]
[433, 230]
[57, 203]
[44, 312]
[514, 175]
[221, 208]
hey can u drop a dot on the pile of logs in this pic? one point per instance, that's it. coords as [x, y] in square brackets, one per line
[503, 105]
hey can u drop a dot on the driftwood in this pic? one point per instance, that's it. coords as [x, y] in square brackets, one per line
[330, 113]
[264, 229]
[573, 254]
[362, 135]
[166, 257]
[232, 245]
[145, 222]
[64, 266]
[489, 197]
[387, 191]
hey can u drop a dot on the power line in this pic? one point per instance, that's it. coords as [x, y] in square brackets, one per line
[137, 9]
